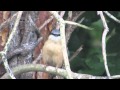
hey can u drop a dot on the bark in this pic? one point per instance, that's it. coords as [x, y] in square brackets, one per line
[24, 36]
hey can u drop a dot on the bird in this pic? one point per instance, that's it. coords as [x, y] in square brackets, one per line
[52, 50]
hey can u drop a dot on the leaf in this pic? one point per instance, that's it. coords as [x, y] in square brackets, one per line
[95, 64]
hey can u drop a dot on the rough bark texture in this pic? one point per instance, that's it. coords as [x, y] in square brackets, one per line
[24, 36]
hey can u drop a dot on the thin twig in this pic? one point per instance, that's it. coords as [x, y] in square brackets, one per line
[7, 21]
[61, 14]
[63, 40]
[77, 24]
[46, 22]
[71, 28]
[112, 17]
[4, 57]
[49, 69]
[31, 21]
[70, 13]
[81, 13]
[76, 53]
[36, 28]
[106, 30]
[37, 59]
[22, 49]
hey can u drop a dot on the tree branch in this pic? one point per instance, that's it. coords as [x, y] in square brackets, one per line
[61, 14]
[112, 17]
[46, 22]
[4, 54]
[37, 59]
[77, 24]
[5, 23]
[106, 30]
[76, 53]
[49, 69]
[21, 49]
[71, 28]
[63, 40]
[36, 28]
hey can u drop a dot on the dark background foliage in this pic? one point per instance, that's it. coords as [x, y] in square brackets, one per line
[90, 59]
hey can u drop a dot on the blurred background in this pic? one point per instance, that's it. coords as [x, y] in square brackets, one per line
[90, 60]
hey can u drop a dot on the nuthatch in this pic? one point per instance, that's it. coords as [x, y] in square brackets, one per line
[52, 50]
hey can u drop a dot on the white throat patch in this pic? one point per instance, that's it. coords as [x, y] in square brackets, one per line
[55, 38]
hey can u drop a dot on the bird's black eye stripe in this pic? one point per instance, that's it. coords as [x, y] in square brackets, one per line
[55, 34]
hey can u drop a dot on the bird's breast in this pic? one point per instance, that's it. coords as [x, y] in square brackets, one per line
[52, 53]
